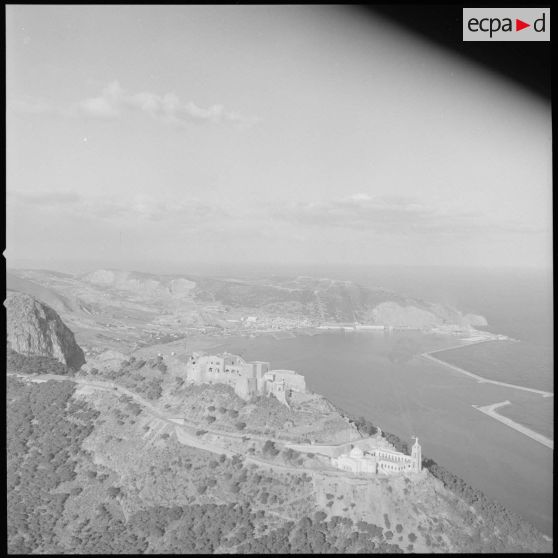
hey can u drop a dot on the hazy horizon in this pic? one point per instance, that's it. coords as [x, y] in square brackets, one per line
[305, 135]
[184, 268]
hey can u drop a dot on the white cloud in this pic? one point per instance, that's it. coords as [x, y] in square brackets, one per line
[139, 209]
[360, 197]
[395, 215]
[99, 107]
[114, 102]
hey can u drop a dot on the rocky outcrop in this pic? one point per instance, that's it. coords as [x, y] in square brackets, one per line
[33, 328]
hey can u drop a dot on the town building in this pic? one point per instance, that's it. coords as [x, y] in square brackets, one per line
[248, 379]
[378, 460]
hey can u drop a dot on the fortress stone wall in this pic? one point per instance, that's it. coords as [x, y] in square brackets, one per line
[248, 379]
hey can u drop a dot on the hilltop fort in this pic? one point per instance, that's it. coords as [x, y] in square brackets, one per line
[248, 379]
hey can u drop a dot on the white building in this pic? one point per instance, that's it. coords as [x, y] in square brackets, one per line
[246, 378]
[380, 461]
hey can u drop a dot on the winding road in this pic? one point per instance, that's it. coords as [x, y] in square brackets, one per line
[182, 434]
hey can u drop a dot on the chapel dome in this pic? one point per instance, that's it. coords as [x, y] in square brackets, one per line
[356, 452]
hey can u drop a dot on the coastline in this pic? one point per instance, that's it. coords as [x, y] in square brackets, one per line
[431, 404]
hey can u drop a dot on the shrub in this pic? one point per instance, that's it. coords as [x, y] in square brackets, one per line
[270, 449]
[156, 531]
[154, 390]
[113, 491]
[386, 521]
[290, 454]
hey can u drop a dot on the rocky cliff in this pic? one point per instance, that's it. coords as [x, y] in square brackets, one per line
[33, 328]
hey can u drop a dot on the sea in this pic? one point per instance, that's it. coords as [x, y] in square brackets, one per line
[382, 377]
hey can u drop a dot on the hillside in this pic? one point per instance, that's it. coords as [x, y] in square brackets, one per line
[125, 458]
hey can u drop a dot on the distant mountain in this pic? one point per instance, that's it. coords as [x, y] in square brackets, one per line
[121, 310]
[328, 300]
[33, 328]
[40, 292]
[321, 300]
[137, 282]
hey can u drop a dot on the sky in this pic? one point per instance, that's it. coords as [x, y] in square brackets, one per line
[150, 137]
